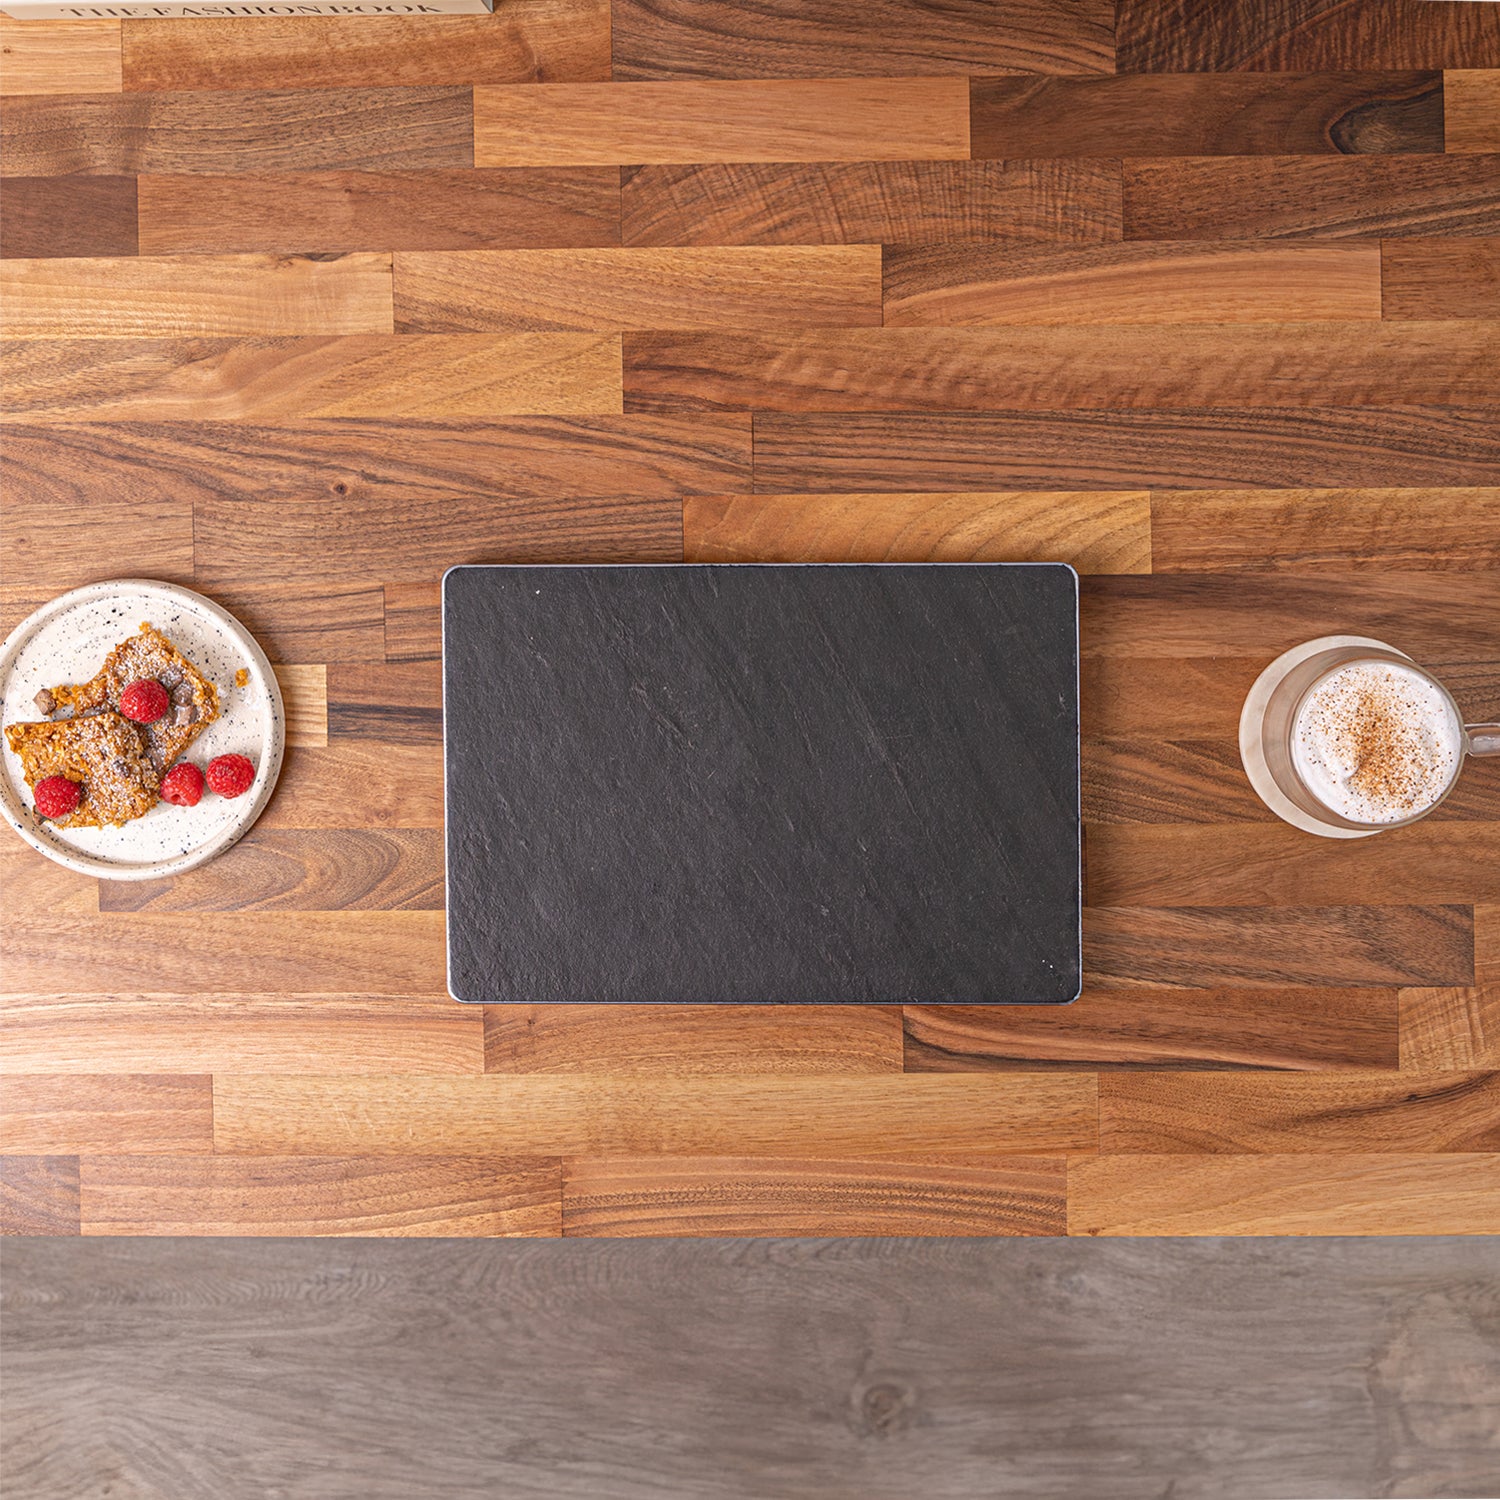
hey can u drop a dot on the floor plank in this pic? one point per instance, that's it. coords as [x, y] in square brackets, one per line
[769, 120]
[106, 1114]
[114, 134]
[1273, 197]
[825, 38]
[1471, 108]
[677, 1040]
[1450, 1029]
[171, 296]
[1285, 1194]
[831, 286]
[1292, 1028]
[38, 1195]
[1439, 278]
[362, 783]
[1258, 281]
[523, 41]
[65, 56]
[417, 1195]
[625, 1198]
[846, 203]
[68, 216]
[331, 212]
[1096, 532]
[1207, 114]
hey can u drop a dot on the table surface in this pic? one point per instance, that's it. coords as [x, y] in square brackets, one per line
[1197, 299]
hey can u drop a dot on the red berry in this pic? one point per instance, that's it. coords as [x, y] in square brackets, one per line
[144, 701]
[230, 775]
[182, 786]
[56, 796]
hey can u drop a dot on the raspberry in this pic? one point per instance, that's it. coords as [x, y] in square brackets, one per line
[230, 775]
[144, 701]
[56, 796]
[182, 786]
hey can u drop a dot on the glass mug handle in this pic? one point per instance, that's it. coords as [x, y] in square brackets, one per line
[1484, 739]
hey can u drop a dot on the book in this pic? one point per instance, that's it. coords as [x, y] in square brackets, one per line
[151, 10]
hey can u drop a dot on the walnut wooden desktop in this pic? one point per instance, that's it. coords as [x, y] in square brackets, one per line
[852, 784]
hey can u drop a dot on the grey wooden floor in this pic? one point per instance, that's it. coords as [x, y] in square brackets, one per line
[935, 1369]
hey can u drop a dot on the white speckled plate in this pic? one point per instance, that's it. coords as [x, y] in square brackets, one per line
[67, 641]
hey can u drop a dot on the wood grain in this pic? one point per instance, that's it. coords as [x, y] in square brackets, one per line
[1303, 531]
[954, 285]
[413, 622]
[1095, 532]
[1157, 367]
[1149, 1114]
[1285, 1194]
[263, 380]
[252, 1032]
[1207, 114]
[885, 1117]
[59, 57]
[523, 41]
[431, 1195]
[769, 120]
[1184, 36]
[1298, 1029]
[148, 539]
[1144, 778]
[304, 698]
[1273, 197]
[828, 38]
[372, 785]
[830, 286]
[68, 216]
[168, 296]
[846, 203]
[106, 1114]
[1438, 278]
[728, 1196]
[38, 1195]
[1471, 108]
[115, 134]
[331, 212]
[393, 703]
[1251, 946]
[1450, 1030]
[703, 1040]
[342, 622]
[38, 887]
[1112, 450]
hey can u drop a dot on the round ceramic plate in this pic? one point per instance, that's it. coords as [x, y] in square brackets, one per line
[67, 641]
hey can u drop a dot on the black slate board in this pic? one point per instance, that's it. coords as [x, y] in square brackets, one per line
[853, 784]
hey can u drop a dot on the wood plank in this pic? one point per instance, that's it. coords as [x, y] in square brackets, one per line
[682, 1040]
[170, 296]
[1276, 946]
[523, 41]
[304, 700]
[425, 1195]
[956, 285]
[297, 953]
[38, 1195]
[1191, 1113]
[1207, 114]
[413, 621]
[777, 1116]
[1272, 197]
[37, 886]
[396, 704]
[845, 203]
[1097, 532]
[265, 380]
[770, 120]
[1113, 450]
[1422, 278]
[1160, 367]
[62, 1034]
[51, 548]
[751, 1196]
[826, 38]
[1450, 1030]
[332, 212]
[1487, 943]
[1275, 865]
[1311, 1030]
[260, 131]
[338, 622]
[1181, 36]
[106, 1114]
[65, 56]
[348, 869]
[817, 286]
[358, 782]
[68, 216]
[1471, 108]
[1342, 531]
[1350, 1194]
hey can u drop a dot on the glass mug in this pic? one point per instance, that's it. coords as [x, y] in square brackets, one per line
[1270, 718]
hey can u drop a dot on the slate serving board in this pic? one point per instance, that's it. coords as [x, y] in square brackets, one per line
[762, 784]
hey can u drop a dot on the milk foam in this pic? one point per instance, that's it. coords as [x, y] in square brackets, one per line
[1376, 742]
